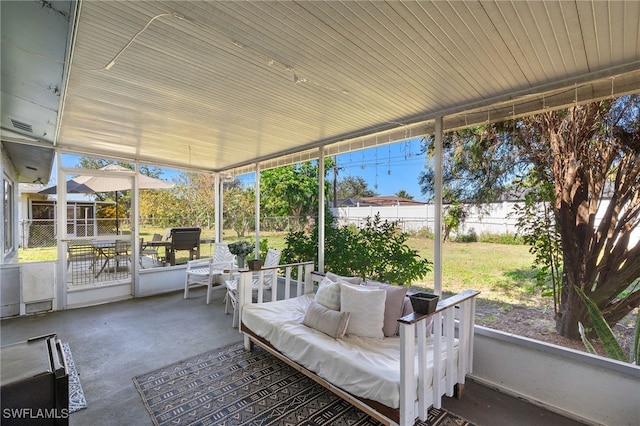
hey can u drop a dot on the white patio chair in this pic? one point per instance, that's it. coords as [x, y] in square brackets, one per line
[205, 271]
[272, 259]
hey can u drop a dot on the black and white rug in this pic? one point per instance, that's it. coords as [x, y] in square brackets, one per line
[77, 401]
[230, 386]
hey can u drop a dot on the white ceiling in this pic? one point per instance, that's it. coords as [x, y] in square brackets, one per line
[219, 85]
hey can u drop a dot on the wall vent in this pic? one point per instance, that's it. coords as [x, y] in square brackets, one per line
[34, 308]
[22, 126]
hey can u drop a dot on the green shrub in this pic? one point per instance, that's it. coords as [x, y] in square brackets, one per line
[606, 336]
[376, 251]
[471, 237]
[512, 239]
[425, 232]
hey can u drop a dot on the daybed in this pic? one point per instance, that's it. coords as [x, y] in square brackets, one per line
[390, 378]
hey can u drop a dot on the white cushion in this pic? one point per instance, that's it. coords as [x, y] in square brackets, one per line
[394, 306]
[351, 280]
[330, 322]
[328, 294]
[367, 310]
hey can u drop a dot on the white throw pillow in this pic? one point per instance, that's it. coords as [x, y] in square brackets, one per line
[394, 306]
[328, 294]
[351, 280]
[367, 310]
[330, 322]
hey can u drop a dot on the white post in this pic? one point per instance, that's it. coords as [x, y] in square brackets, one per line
[245, 296]
[257, 213]
[61, 207]
[437, 231]
[135, 232]
[437, 360]
[407, 374]
[321, 209]
[217, 203]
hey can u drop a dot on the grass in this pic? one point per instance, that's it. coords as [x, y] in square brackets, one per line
[502, 272]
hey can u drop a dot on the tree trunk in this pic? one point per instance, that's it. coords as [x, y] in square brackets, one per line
[571, 311]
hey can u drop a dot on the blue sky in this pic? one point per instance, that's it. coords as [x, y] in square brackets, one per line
[386, 169]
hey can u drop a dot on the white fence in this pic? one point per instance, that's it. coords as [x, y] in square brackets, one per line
[492, 219]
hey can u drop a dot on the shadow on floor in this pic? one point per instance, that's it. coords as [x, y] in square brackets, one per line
[114, 342]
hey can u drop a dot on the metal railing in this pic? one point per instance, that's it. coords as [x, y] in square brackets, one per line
[91, 262]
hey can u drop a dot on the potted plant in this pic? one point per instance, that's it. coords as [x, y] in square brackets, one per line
[424, 303]
[241, 249]
[254, 264]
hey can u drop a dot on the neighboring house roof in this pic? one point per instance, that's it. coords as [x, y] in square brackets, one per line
[385, 200]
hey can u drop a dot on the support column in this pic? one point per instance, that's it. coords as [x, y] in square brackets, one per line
[257, 209]
[217, 205]
[61, 225]
[321, 209]
[437, 162]
[135, 232]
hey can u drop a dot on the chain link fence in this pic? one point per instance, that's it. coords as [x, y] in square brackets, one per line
[43, 232]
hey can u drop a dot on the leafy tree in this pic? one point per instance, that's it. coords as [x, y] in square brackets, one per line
[454, 216]
[195, 193]
[354, 187]
[239, 209]
[404, 194]
[160, 207]
[588, 153]
[292, 191]
[536, 223]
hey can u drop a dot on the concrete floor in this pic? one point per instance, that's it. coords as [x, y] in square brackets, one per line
[113, 342]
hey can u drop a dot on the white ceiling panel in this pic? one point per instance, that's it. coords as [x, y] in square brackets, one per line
[218, 85]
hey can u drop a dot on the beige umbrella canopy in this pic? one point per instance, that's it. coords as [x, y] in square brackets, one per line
[91, 184]
[110, 183]
[115, 183]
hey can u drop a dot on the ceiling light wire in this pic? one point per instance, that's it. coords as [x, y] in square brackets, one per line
[296, 78]
[126, 46]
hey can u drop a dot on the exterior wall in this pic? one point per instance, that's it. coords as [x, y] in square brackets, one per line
[585, 387]
[8, 172]
[10, 288]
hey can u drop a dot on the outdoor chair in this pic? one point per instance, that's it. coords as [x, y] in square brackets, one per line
[148, 251]
[82, 254]
[184, 239]
[206, 271]
[270, 278]
[121, 254]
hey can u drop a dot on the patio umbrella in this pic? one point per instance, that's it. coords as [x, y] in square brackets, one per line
[111, 183]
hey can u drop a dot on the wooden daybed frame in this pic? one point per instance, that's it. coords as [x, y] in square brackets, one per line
[454, 318]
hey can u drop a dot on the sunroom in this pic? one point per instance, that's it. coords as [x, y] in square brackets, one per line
[227, 88]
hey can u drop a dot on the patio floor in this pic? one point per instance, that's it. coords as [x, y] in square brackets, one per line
[113, 342]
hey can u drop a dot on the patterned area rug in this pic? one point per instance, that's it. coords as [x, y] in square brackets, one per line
[230, 386]
[77, 400]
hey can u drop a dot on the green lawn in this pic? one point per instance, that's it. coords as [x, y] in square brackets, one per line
[501, 272]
